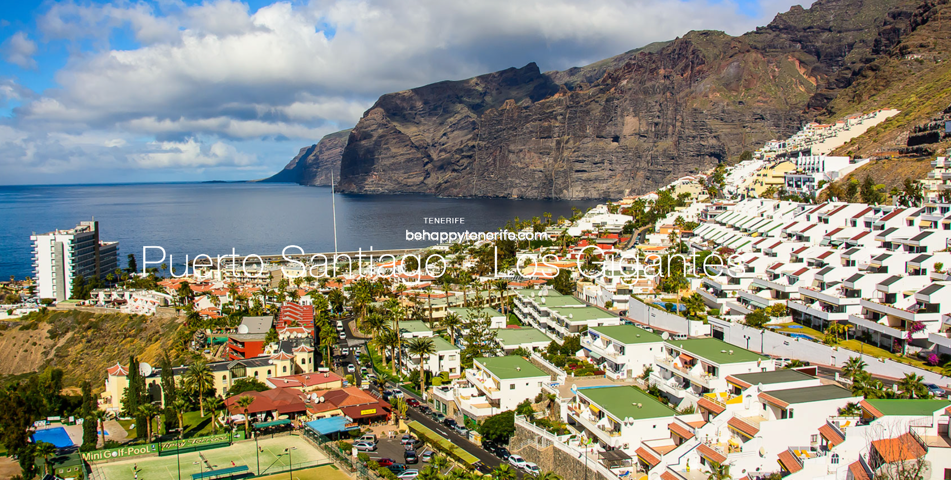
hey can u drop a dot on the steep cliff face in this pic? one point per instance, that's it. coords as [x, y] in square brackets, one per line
[313, 165]
[649, 117]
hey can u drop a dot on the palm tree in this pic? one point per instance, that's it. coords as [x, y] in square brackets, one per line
[390, 340]
[374, 323]
[149, 411]
[503, 472]
[422, 347]
[45, 450]
[400, 407]
[912, 386]
[199, 380]
[502, 285]
[838, 330]
[328, 341]
[549, 476]
[865, 386]
[215, 404]
[101, 416]
[180, 405]
[244, 403]
[451, 322]
[852, 367]
[719, 472]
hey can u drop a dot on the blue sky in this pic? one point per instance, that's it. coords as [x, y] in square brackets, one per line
[172, 90]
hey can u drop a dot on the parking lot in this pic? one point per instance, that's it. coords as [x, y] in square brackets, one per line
[391, 448]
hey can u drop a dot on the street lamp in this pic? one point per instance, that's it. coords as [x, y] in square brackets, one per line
[290, 460]
[257, 452]
[178, 458]
[747, 337]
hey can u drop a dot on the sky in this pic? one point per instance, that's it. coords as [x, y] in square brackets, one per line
[173, 90]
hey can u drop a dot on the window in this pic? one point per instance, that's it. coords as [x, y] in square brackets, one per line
[269, 372]
[835, 459]
[224, 378]
[511, 386]
[255, 374]
[285, 368]
[814, 438]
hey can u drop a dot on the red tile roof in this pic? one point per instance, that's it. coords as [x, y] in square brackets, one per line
[871, 409]
[668, 476]
[831, 435]
[738, 382]
[743, 427]
[902, 447]
[860, 235]
[858, 472]
[863, 212]
[648, 457]
[892, 215]
[800, 272]
[710, 405]
[118, 370]
[773, 400]
[284, 400]
[711, 454]
[680, 431]
[789, 462]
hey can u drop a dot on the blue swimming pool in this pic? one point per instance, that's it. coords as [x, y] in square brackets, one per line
[801, 335]
[56, 435]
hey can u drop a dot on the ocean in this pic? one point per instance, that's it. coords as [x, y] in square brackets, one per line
[251, 218]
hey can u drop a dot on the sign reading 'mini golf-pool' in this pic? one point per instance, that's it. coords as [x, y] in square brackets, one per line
[156, 448]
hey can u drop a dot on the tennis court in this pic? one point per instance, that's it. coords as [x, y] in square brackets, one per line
[272, 456]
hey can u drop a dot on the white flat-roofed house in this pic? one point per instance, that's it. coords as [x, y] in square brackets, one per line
[623, 351]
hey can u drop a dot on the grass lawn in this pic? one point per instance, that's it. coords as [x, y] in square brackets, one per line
[857, 346]
[327, 472]
[513, 320]
[196, 426]
[126, 425]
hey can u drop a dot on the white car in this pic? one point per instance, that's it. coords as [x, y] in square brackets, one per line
[350, 368]
[517, 462]
[408, 475]
[364, 446]
[532, 469]
[342, 335]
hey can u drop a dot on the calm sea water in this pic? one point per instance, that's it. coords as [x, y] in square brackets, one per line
[252, 218]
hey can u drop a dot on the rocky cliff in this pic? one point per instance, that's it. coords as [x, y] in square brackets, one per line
[313, 165]
[650, 116]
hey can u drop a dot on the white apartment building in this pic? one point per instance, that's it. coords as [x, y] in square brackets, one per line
[623, 351]
[445, 358]
[619, 417]
[61, 255]
[493, 385]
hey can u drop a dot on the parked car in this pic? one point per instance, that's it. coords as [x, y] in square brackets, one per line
[461, 430]
[532, 469]
[935, 390]
[408, 475]
[424, 410]
[345, 351]
[364, 446]
[350, 368]
[410, 456]
[428, 456]
[370, 437]
[407, 439]
[396, 393]
[397, 468]
[385, 462]
[450, 423]
[363, 371]
[516, 461]
[413, 402]
[502, 453]
[439, 417]
[342, 335]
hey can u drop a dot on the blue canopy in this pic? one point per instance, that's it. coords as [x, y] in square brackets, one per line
[328, 425]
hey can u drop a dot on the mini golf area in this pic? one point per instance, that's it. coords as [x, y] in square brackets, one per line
[273, 460]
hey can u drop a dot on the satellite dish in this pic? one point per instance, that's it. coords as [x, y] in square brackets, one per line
[243, 329]
[665, 336]
[320, 400]
[145, 369]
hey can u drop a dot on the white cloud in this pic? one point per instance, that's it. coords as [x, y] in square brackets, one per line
[191, 154]
[19, 50]
[293, 70]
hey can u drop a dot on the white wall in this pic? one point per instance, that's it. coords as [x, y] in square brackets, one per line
[772, 343]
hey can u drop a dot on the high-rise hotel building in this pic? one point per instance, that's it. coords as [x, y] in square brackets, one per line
[61, 255]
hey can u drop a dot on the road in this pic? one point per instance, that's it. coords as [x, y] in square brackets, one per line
[355, 345]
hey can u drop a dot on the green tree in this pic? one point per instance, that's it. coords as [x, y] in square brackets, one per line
[498, 428]
[912, 386]
[525, 409]
[757, 318]
[271, 336]
[563, 283]
[131, 264]
[215, 405]
[148, 411]
[451, 322]
[199, 381]
[247, 384]
[853, 367]
[169, 391]
[504, 472]
[180, 406]
[244, 403]
[871, 192]
[422, 347]
[86, 413]
[719, 472]
[45, 450]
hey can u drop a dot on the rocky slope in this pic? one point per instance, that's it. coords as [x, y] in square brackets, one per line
[652, 116]
[313, 165]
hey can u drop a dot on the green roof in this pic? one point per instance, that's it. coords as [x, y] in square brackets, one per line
[914, 407]
[441, 345]
[554, 300]
[628, 334]
[519, 336]
[811, 394]
[621, 402]
[510, 367]
[463, 313]
[413, 326]
[580, 314]
[716, 351]
[779, 376]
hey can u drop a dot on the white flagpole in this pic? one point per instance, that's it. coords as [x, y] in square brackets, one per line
[333, 202]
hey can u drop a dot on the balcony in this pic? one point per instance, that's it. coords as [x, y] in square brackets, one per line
[816, 310]
[694, 374]
[596, 347]
[484, 383]
[904, 314]
[580, 415]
